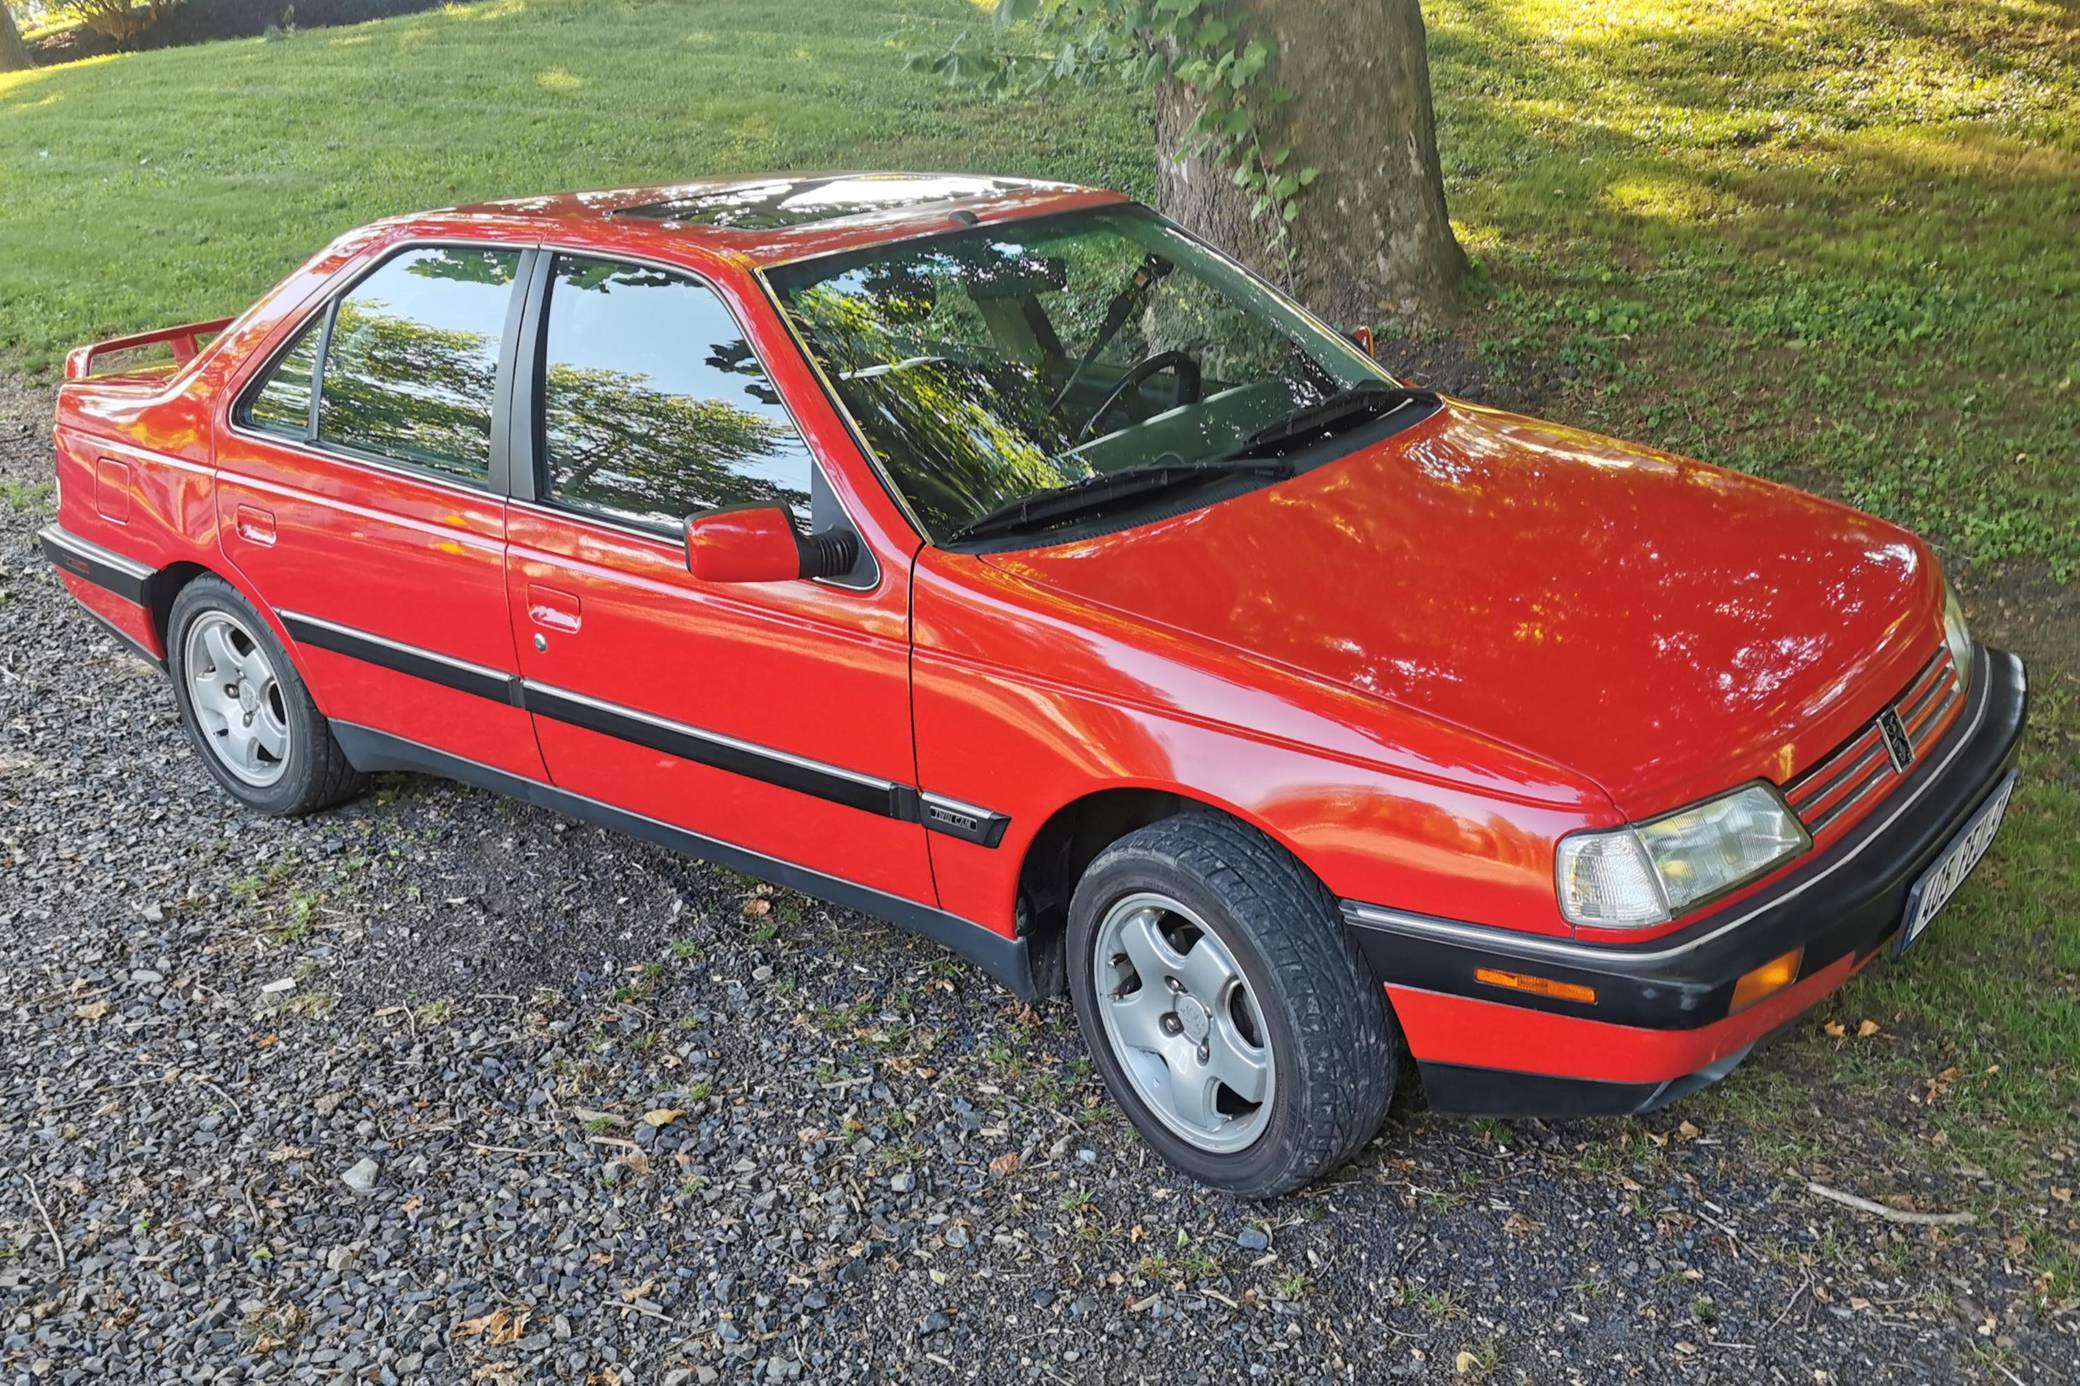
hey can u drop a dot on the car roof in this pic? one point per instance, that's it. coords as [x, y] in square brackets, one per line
[776, 218]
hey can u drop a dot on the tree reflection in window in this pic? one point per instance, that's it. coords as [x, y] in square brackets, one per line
[654, 406]
[981, 365]
[413, 359]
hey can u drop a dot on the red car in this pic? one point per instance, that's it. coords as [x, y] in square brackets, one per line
[994, 557]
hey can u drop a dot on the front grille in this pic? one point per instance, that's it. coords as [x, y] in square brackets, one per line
[1861, 769]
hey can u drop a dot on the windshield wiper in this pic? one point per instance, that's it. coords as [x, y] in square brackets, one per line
[1344, 406]
[1096, 492]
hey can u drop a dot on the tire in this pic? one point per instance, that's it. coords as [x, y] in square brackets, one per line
[246, 710]
[1296, 1016]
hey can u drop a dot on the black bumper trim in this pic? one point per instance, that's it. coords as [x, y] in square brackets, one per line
[1462, 1090]
[125, 577]
[1845, 902]
[1005, 959]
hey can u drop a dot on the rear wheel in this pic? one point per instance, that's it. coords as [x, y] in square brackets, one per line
[1231, 1014]
[245, 708]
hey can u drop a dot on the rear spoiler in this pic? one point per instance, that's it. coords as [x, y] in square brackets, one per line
[183, 341]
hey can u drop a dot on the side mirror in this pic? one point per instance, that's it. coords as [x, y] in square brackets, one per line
[759, 543]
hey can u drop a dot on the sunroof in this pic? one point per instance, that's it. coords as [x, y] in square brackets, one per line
[798, 202]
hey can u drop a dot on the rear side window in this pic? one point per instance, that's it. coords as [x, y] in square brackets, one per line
[654, 406]
[283, 403]
[412, 360]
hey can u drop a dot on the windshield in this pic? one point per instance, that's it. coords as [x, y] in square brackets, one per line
[991, 365]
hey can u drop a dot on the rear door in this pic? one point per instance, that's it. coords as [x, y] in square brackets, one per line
[360, 493]
[773, 717]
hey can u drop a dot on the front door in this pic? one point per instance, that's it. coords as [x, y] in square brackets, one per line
[772, 717]
[356, 493]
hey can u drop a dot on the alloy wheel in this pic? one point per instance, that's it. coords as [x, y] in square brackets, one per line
[1181, 1018]
[237, 698]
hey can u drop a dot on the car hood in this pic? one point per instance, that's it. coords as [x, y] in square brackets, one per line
[1665, 628]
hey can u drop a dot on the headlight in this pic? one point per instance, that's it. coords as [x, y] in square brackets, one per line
[1651, 872]
[1957, 635]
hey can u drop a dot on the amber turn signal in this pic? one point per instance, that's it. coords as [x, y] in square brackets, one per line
[1766, 980]
[1537, 986]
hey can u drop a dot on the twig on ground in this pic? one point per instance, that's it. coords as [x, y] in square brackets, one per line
[45, 1214]
[1785, 1312]
[1865, 1205]
[237, 1110]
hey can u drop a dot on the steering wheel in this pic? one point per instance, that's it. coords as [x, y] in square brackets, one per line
[1187, 385]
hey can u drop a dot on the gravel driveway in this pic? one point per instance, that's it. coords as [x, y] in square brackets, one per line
[439, 1087]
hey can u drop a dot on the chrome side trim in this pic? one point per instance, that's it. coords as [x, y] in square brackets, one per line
[982, 826]
[1501, 940]
[54, 537]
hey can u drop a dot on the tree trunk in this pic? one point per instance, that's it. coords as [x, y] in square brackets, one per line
[14, 55]
[1372, 241]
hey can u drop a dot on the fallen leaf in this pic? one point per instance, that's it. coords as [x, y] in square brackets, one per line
[1865, 1029]
[1465, 1362]
[1004, 1163]
[663, 1116]
[282, 1154]
[636, 1292]
[2061, 1193]
[1517, 1225]
[497, 1328]
[757, 905]
[93, 1010]
[1687, 1132]
[1835, 1029]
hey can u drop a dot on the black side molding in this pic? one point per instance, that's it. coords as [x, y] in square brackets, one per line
[125, 577]
[867, 793]
[1005, 959]
[494, 684]
[871, 796]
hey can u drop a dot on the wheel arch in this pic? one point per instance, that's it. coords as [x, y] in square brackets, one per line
[1072, 836]
[165, 585]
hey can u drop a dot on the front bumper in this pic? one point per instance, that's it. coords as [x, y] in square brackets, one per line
[1661, 1024]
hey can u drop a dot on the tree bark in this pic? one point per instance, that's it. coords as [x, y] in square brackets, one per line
[1372, 241]
[14, 54]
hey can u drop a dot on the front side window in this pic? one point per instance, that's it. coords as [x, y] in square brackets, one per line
[412, 361]
[989, 366]
[653, 404]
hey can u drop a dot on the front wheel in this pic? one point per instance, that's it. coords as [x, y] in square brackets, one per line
[1231, 1014]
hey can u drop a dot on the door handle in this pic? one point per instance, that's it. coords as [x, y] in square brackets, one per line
[552, 609]
[255, 524]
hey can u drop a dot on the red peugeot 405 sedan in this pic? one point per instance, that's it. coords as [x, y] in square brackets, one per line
[996, 558]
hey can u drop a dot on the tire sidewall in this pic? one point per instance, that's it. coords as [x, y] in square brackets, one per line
[198, 598]
[1123, 872]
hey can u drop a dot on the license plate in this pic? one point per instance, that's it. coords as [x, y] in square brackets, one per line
[1941, 880]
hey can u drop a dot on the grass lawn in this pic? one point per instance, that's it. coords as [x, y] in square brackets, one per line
[1830, 241]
